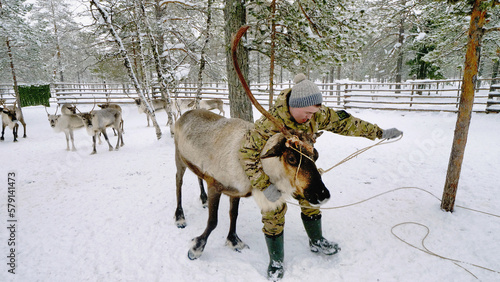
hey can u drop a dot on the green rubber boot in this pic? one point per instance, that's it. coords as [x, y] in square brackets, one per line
[275, 269]
[316, 240]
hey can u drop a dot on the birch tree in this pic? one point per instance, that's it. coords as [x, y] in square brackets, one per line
[162, 79]
[13, 32]
[106, 20]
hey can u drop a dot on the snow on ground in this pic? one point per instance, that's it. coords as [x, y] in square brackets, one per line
[109, 216]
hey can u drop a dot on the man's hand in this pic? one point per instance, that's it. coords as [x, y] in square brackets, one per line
[391, 133]
[272, 193]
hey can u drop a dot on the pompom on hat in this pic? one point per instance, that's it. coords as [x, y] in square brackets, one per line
[305, 93]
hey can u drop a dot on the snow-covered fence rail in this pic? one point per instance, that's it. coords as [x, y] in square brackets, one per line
[429, 95]
[93, 93]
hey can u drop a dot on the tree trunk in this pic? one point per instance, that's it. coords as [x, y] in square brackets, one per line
[399, 64]
[235, 17]
[273, 44]
[158, 66]
[496, 68]
[14, 77]
[472, 57]
[128, 65]
[202, 55]
[58, 47]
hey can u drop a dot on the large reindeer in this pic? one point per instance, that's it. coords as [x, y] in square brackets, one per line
[66, 122]
[11, 116]
[208, 144]
[96, 122]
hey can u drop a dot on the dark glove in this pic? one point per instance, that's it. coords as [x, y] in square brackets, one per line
[272, 193]
[391, 133]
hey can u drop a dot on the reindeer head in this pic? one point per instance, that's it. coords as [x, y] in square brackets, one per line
[53, 120]
[291, 165]
[68, 109]
[86, 118]
[11, 114]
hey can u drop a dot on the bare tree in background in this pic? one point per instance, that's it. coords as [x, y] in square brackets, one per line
[123, 52]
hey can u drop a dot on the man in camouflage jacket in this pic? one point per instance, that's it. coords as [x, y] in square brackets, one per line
[299, 108]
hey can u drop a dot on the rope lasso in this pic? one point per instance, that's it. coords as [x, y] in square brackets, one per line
[358, 152]
[423, 248]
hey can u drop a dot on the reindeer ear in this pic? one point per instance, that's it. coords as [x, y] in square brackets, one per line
[317, 134]
[274, 146]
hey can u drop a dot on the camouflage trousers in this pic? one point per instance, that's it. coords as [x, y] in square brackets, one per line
[274, 221]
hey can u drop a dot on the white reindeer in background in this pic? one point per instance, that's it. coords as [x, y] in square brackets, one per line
[96, 122]
[116, 107]
[183, 105]
[66, 123]
[156, 104]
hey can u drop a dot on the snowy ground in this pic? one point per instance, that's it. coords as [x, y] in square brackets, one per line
[109, 217]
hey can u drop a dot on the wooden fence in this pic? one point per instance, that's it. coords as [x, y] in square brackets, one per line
[437, 95]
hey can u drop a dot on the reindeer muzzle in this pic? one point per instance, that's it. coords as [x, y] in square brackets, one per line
[317, 194]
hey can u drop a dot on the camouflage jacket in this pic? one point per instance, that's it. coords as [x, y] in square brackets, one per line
[339, 122]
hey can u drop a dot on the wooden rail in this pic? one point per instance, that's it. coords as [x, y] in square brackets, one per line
[442, 95]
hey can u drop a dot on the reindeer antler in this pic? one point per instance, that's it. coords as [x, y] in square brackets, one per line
[234, 45]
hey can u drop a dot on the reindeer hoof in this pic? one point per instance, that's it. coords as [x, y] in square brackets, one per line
[235, 243]
[93, 153]
[197, 248]
[181, 223]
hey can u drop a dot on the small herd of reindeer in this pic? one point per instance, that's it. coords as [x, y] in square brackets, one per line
[96, 121]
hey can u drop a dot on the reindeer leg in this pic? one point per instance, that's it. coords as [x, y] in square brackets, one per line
[180, 220]
[3, 131]
[120, 138]
[94, 151]
[24, 127]
[106, 138]
[67, 140]
[203, 195]
[233, 241]
[213, 207]
[121, 134]
[14, 132]
[73, 148]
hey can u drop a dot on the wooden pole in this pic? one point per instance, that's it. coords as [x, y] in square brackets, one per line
[472, 56]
